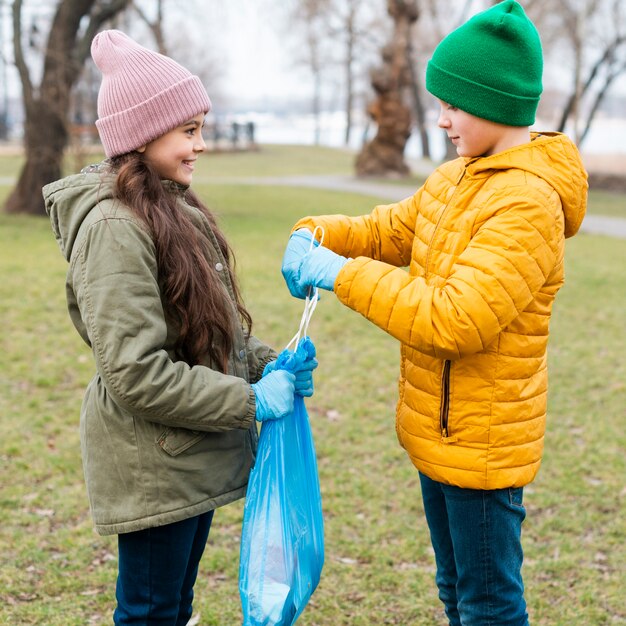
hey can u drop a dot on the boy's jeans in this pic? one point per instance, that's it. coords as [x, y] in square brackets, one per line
[157, 571]
[476, 536]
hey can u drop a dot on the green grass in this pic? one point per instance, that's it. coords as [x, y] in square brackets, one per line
[280, 160]
[607, 203]
[55, 570]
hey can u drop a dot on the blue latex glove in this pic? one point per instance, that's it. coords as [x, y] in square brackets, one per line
[298, 245]
[304, 376]
[274, 395]
[319, 268]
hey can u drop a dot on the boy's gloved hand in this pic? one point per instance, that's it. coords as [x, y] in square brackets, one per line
[274, 395]
[298, 245]
[319, 268]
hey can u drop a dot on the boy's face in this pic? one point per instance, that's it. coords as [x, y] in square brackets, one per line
[473, 136]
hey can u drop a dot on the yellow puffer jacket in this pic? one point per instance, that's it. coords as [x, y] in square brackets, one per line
[484, 242]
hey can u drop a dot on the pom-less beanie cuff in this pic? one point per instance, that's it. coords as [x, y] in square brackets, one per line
[481, 100]
[133, 128]
[491, 66]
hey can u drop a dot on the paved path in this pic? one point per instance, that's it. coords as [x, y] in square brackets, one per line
[593, 224]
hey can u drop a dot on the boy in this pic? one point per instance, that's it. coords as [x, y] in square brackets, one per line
[484, 243]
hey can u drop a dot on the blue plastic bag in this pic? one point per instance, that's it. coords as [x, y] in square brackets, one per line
[282, 537]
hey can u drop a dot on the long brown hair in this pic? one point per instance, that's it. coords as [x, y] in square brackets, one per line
[192, 290]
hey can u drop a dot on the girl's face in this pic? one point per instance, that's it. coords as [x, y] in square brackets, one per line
[173, 155]
[474, 136]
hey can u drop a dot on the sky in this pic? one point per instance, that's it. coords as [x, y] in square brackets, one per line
[255, 56]
[237, 35]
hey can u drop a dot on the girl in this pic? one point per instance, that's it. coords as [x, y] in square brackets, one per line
[167, 423]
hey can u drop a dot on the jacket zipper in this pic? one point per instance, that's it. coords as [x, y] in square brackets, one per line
[445, 403]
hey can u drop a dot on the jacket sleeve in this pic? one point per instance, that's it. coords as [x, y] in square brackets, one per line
[114, 275]
[259, 355]
[493, 280]
[386, 234]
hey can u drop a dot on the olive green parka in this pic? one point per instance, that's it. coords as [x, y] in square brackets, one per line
[161, 441]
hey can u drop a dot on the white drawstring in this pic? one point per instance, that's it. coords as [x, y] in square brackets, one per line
[310, 301]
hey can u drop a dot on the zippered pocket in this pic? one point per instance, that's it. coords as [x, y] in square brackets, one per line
[444, 408]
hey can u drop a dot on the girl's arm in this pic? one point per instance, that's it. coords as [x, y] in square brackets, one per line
[114, 275]
[259, 355]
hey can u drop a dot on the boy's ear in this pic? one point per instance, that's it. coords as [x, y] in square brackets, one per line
[141, 149]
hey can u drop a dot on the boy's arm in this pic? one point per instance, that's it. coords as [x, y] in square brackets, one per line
[495, 278]
[115, 278]
[386, 234]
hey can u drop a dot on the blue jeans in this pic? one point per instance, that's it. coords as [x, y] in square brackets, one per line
[476, 536]
[157, 571]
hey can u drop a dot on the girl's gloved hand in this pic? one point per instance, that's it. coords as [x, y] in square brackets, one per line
[274, 395]
[304, 376]
[298, 245]
[319, 268]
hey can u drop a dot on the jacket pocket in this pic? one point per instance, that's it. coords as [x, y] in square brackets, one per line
[177, 440]
[444, 408]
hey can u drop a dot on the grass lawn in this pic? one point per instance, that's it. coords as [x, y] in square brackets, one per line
[379, 569]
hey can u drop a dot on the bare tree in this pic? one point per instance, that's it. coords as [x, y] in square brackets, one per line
[155, 25]
[419, 109]
[46, 105]
[351, 35]
[312, 17]
[355, 25]
[338, 36]
[596, 33]
[384, 155]
[437, 18]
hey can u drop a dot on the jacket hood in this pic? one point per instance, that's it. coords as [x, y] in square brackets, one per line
[69, 200]
[554, 158]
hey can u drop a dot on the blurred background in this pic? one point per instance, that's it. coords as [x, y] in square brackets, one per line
[343, 73]
[319, 106]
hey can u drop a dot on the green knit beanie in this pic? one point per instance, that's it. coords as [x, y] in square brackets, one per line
[490, 66]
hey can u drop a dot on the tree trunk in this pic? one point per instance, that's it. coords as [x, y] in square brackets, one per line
[384, 155]
[350, 34]
[45, 138]
[155, 26]
[46, 124]
[420, 113]
[599, 98]
[349, 88]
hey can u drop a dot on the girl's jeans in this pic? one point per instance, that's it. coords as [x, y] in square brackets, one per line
[157, 571]
[476, 536]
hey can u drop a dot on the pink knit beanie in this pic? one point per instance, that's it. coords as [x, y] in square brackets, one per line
[143, 94]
